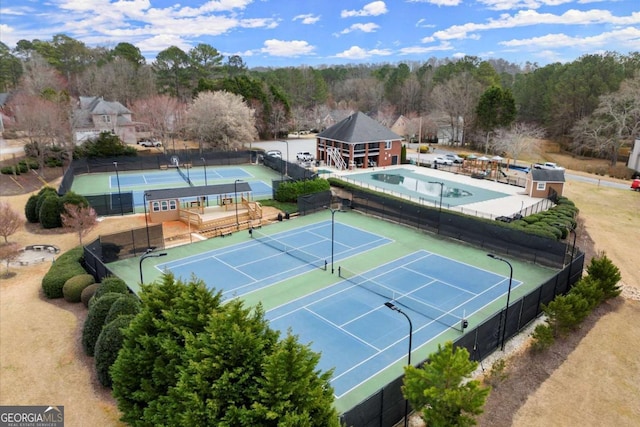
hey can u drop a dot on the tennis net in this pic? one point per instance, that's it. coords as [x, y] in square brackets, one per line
[289, 250]
[404, 299]
[185, 177]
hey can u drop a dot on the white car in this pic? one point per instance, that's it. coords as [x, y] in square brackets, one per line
[441, 160]
[150, 143]
[304, 156]
[274, 153]
[454, 158]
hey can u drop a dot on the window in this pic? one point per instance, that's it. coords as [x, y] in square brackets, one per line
[106, 118]
[164, 205]
[540, 186]
[387, 145]
[155, 206]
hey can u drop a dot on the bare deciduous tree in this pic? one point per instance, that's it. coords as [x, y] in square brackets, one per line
[9, 252]
[162, 114]
[520, 138]
[221, 119]
[458, 97]
[79, 218]
[9, 221]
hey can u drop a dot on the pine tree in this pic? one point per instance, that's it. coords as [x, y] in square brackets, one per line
[440, 392]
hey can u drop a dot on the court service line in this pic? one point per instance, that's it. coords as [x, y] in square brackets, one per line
[306, 308]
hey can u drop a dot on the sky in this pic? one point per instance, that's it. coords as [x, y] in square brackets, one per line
[284, 33]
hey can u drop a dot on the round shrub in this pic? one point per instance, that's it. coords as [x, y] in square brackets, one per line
[111, 284]
[30, 209]
[73, 287]
[43, 194]
[74, 199]
[108, 345]
[95, 321]
[49, 213]
[88, 292]
[128, 304]
[64, 268]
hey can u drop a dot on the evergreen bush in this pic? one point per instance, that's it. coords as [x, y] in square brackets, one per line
[64, 268]
[87, 293]
[49, 213]
[107, 347]
[30, 211]
[542, 338]
[72, 288]
[607, 274]
[128, 304]
[111, 284]
[95, 321]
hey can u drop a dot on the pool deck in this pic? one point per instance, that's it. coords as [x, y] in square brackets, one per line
[516, 201]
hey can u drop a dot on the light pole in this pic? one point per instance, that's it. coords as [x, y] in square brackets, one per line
[149, 254]
[204, 164]
[394, 308]
[441, 184]
[235, 193]
[186, 155]
[333, 213]
[506, 309]
[119, 193]
[146, 221]
[286, 165]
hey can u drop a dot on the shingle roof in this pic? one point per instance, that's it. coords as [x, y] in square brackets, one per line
[208, 190]
[358, 128]
[547, 175]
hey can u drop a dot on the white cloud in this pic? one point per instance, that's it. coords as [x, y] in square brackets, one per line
[422, 23]
[622, 37]
[307, 18]
[365, 28]
[419, 50]
[356, 52]
[438, 2]
[275, 47]
[372, 9]
[522, 4]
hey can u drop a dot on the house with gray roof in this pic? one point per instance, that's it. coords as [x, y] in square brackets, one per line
[358, 142]
[95, 115]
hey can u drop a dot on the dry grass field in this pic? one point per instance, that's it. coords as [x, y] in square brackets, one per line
[592, 380]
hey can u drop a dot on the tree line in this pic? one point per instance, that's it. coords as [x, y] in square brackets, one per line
[591, 104]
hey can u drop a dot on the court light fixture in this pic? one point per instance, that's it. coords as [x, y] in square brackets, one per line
[149, 254]
[393, 307]
[506, 309]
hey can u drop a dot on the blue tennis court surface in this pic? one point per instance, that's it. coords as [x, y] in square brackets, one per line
[239, 269]
[358, 336]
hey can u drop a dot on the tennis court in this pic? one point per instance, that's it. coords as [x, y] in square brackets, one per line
[265, 260]
[259, 179]
[350, 318]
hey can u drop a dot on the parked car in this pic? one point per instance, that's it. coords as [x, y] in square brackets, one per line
[150, 143]
[274, 153]
[635, 184]
[442, 160]
[304, 156]
[454, 158]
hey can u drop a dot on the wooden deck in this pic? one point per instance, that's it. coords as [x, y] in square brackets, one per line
[214, 221]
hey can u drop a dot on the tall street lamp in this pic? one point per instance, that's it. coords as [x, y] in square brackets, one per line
[441, 184]
[506, 309]
[149, 254]
[333, 213]
[395, 308]
[186, 155]
[119, 193]
[235, 192]
[286, 165]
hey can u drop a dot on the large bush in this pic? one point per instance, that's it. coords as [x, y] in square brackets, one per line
[111, 284]
[72, 289]
[30, 209]
[64, 268]
[128, 304]
[607, 274]
[42, 195]
[95, 321]
[88, 292]
[107, 347]
[49, 212]
[289, 191]
[73, 198]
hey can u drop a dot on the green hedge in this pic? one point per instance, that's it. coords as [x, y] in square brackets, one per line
[107, 347]
[290, 191]
[72, 289]
[128, 304]
[95, 321]
[64, 268]
[30, 210]
[111, 284]
[88, 292]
